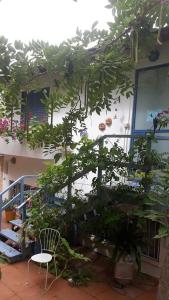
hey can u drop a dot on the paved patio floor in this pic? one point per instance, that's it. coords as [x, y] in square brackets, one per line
[14, 285]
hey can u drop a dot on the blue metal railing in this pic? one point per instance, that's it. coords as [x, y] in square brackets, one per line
[19, 197]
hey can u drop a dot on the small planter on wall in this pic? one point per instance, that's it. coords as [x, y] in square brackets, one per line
[109, 122]
[102, 126]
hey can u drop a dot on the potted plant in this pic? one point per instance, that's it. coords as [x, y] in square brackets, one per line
[125, 232]
[10, 211]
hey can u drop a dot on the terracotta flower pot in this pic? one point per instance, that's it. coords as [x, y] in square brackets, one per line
[10, 215]
[102, 126]
[124, 272]
[109, 121]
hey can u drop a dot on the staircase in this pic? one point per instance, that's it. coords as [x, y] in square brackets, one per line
[12, 243]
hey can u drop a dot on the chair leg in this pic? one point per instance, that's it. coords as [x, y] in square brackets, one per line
[40, 268]
[46, 278]
[28, 270]
[55, 266]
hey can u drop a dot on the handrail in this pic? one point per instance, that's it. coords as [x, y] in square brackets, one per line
[27, 200]
[15, 182]
[10, 202]
[132, 136]
[20, 195]
[118, 136]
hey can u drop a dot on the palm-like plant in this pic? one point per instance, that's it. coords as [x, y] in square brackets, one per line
[127, 237]
[159, 201]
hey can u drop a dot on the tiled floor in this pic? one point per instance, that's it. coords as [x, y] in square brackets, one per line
[14, 285]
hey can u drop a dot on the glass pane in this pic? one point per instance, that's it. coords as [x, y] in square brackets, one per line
[152, 95]
[162, 144]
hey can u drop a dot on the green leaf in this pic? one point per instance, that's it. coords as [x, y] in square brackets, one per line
[108, 6]
[110, 24]
[57, 157]
[73, 146]
[163, 232]
[94, 25]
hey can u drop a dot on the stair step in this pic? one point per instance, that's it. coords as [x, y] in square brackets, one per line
[11, 253]
[17, 222]
[11, 235]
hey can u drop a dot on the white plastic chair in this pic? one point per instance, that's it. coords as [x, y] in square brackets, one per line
[49, 239]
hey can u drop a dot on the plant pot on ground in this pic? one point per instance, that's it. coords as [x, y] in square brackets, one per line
[126, 234]
[124, 270]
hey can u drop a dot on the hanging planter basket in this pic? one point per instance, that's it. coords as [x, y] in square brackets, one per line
[102, 126]
[109, 122]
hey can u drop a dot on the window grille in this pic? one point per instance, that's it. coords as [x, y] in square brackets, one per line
[152, 245]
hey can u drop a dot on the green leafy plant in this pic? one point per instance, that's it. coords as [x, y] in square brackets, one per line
[74, 69]
[3, 259]
[158, 201]
[127, 237]
[158, 211]
[65, 259]
[86, 157]
[119, 221]
[78, 277]
[41, 216]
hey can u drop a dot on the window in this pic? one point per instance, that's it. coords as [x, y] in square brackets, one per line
[152, 95]
[33, 106]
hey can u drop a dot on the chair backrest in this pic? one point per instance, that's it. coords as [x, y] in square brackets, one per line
[49, 239]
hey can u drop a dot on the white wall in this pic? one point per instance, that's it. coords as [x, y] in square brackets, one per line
[23, 166]
[124, 114]
[15, 148]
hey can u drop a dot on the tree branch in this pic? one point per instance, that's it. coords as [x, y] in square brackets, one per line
[147, 9]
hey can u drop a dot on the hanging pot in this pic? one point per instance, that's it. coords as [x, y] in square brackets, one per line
[102, 126]
[109, 121]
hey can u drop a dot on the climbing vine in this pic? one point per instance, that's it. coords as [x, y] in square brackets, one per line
[87, 158]
[78, 74]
